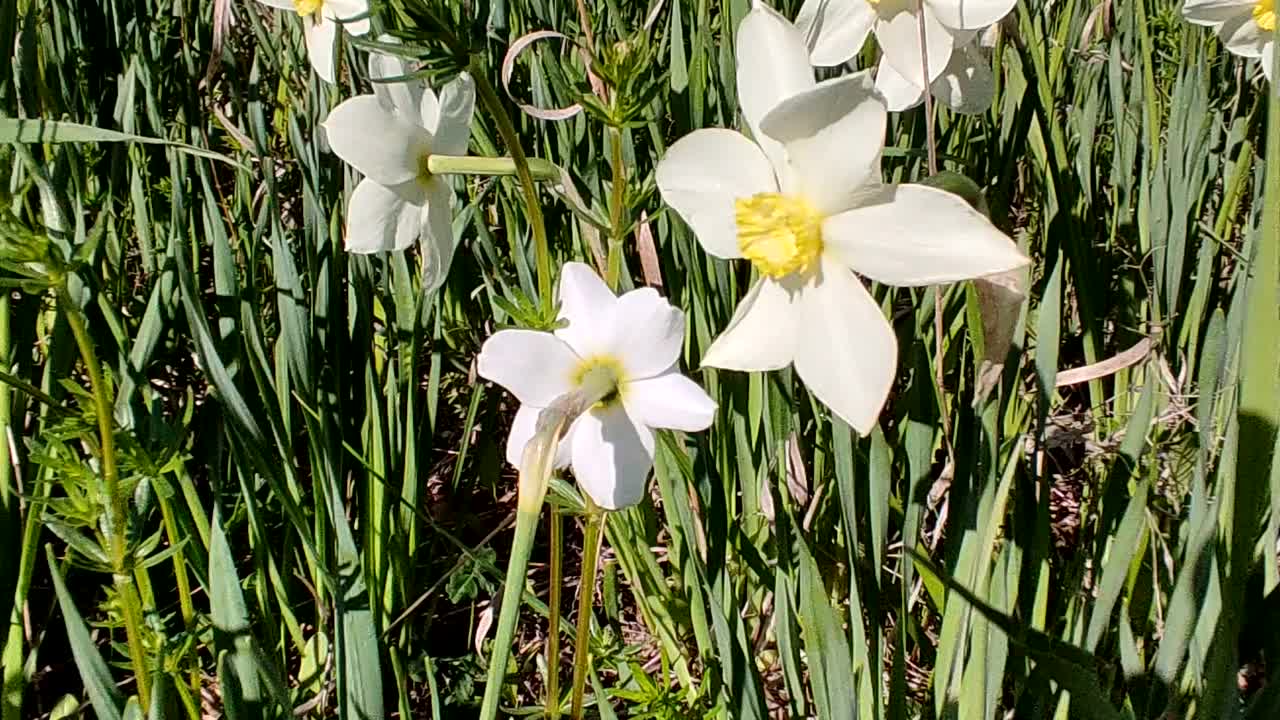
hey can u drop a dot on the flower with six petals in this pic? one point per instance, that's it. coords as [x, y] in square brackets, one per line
[634, 340]
[388, 137]
[805, 204]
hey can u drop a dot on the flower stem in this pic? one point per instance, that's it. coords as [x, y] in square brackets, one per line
[117, 507]
[614, 264]
[541, 251]
[586, 592]
[552, 704]
[472, 165]
[928, 94]
[513, 589]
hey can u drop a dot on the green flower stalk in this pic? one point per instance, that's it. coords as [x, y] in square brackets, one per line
[535, 476]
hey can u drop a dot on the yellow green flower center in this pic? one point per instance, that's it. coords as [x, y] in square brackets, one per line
[424, 170]
[308, 7]
[779, 234]
[597, 370]
[1264, 13]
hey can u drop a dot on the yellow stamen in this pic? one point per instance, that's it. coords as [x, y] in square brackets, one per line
[308, 7]
[779, 234]
[601, 368]
[1264, 13]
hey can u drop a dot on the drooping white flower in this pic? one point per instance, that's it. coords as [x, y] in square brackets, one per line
[1246, 27]
[320, 22]
[958, 75]
[388, 137]
[807, 207]
[635, 339]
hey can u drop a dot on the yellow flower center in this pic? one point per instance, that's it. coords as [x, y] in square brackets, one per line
[779, 234]
[596, 370]
[424, 170]
[308, 7]
[1264, 13]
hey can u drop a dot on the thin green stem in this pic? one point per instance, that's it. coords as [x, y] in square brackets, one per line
[618, 196]
[939, 376]
[552, 704]
[586, 593]
[117, 507]
[513, 589]
[185, 606]
[541, 250]
[489, 166]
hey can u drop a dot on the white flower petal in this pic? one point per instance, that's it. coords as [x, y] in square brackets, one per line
[438, 242]
[429, 109]
[773, 65]
[402, 96]
[589, 307]
[1268, 59]
[612, 457]
[320, 33]
[1243, 37]
[967, 85]
[377, 142]
[899, 93]
[457, 103]
[523, 426]
[919, 235]
[648, 333]
[762, 333]
[970, 14]
[669, 401]
[846, 353]
[375, 219]
[832, 134]
[533, 366]
[1215, 12]
[280, 4]
[703, 173]
[345, 10]
[835, 29]
[898, 32]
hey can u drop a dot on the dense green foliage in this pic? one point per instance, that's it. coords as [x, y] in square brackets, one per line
[273, 460]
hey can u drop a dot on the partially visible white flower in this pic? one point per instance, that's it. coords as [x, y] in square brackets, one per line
[320, 21]
[388, 137]
[635, 340]
[807, 207]
[1246, 27]
[965, 85]
[836, 29]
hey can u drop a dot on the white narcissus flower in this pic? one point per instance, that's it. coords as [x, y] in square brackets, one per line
[320, 20]
[388, 137]
[1246, 27]
[806, 206]
[958, 74]
[636, 340]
